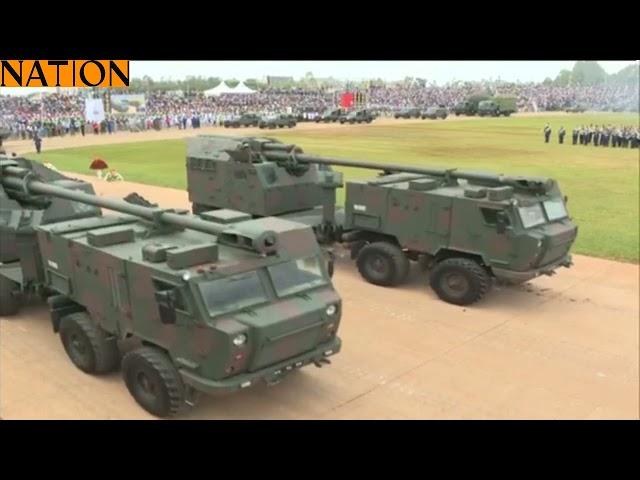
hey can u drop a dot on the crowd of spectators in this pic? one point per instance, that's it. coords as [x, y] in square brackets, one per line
[61, 114]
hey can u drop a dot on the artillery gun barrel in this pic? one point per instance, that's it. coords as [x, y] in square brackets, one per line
[14, 178]
[281, 152]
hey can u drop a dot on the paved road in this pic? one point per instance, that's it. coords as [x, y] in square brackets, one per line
[562, 347]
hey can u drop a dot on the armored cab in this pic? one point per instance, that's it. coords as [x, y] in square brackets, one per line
[217, 302]
[469, 230]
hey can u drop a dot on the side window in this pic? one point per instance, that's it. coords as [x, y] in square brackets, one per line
[490, 216]
[168, 298]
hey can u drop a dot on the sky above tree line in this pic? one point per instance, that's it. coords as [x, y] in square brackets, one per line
[434, 71]
[440, 72]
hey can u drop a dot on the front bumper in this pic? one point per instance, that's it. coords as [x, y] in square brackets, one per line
[515, 277]
[271, 374]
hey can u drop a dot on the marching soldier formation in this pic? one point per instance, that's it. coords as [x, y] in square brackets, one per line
[600, 136]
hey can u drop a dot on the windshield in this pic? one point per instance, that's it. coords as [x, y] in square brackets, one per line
[296, 275]
[232, 293]
[531, 216]
[555, 209]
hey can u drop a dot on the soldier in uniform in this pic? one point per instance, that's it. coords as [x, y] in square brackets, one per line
[581, 134]
[604, 139]
[574, 135]
[561, 134]
[547, 133]
[38, 141]
[596, 136]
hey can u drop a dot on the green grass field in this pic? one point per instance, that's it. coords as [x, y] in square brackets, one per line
[601, 183]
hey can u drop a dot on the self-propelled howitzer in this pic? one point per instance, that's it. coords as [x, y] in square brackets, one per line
[216, 303]
[470, 227]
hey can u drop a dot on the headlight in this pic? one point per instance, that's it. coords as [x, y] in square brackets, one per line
[240, 340]
[539, 244]
[331, 310]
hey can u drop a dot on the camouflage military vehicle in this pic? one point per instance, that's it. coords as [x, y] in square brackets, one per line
[277, 121]
[408, 113]
[434, 113]
[576, 109]
[215, 303]
[469, 106]
[497, 106]
[332, 115]
[244, 120]
[357, 116]
[470, 228]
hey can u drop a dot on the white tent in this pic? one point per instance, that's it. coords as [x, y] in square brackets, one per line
[219, 90]
[242, 88]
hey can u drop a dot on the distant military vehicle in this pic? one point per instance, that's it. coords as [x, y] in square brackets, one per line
[332, 115]
[358, 116]
[277, 121]
[497, 106]
[408, 113]
[434, 113]
[244, 120]
[216, 303]
[468, 227]
[576, 109]
[469, 106]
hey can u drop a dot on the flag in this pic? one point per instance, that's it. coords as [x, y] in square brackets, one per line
[346, 100]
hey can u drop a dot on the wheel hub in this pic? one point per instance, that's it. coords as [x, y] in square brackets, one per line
[78, 347]
[455, 284]
[378, 264]
[145, 383]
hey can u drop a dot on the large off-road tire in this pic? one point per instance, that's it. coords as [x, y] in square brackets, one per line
[460, 281]
[153, 381]
[88, 346]
[9, 303]
[383, 263]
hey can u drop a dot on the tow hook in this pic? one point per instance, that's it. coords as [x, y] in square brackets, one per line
[319, 362]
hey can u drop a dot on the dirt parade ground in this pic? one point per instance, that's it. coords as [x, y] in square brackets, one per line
[561, 347]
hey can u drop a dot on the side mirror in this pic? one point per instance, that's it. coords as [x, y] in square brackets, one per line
[501, 223]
